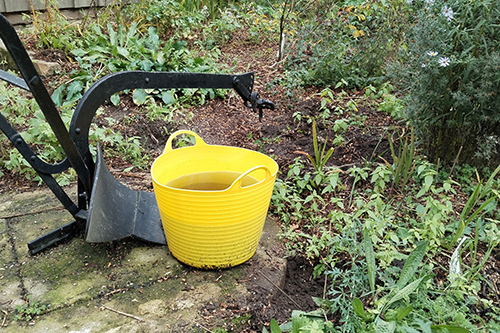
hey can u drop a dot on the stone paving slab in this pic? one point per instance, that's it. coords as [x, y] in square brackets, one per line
[122, 286]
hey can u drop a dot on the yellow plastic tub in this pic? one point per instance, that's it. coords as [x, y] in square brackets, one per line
[213, 201]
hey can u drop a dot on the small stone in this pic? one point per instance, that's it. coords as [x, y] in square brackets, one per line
[46, 68]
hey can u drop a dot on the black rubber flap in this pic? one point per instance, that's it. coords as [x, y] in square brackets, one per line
[117, 211]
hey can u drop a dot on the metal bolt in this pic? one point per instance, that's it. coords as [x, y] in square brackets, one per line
[78, 130]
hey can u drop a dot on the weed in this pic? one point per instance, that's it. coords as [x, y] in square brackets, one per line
[29, 311]
[469, 213]
[220, 29]
[393, 308]
[108, 48]
[241, 321]
[380, 178]
[359, 174]
[320, 156]
[164, 112]
[52, 28]
[385, 100]
[404, 161]
[368, 288]
[302, 322]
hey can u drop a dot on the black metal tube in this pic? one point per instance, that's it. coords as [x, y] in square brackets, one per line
[116, 82]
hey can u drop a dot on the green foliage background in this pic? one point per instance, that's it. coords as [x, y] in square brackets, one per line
[374, 229]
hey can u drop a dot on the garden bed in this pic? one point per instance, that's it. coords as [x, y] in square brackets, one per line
[361, 133]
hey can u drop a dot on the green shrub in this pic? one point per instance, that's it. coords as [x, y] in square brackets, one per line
[167, 16]
[449, 71]
[109, 49]
[52, 28]
[345, 41]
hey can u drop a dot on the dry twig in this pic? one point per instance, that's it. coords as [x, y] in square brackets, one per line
[4, 318]
[6, 217]
[114, 292]
[121, 313]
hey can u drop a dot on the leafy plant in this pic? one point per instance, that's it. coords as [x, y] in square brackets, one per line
[385, 100]
[101, 50]
[306, 322]
[118, 145]
[167, 16]
[392, 309]
[220, 29]
[24, 114]
[320, 156]
[469, 229]
[346, 41]
[404, 160]
[364, 273]
[52, 27]
[470, 212]
[447, 70]
[29, 310]
[464, 277]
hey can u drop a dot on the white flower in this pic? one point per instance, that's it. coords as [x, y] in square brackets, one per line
[429, 2]
[444, 61]
[432, 53]
[448, 12]
[423, 65]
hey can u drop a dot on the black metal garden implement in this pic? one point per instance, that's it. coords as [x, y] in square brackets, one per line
[104, 209]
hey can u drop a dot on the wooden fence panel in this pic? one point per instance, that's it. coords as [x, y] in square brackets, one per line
[15, 6]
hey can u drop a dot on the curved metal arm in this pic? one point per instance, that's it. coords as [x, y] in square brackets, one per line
[29, 155]
[35, 84]
[116, 82]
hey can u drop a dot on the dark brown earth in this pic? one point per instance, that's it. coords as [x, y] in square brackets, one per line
[228, 122]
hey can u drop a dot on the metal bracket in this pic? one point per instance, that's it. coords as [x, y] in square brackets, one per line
[252, 99]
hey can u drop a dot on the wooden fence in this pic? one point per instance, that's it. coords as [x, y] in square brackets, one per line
[17, 6]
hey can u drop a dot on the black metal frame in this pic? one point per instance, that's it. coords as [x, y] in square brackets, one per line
[76, 145]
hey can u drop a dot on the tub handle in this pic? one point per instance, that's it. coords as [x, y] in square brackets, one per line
[198, 139]
[237, 181]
